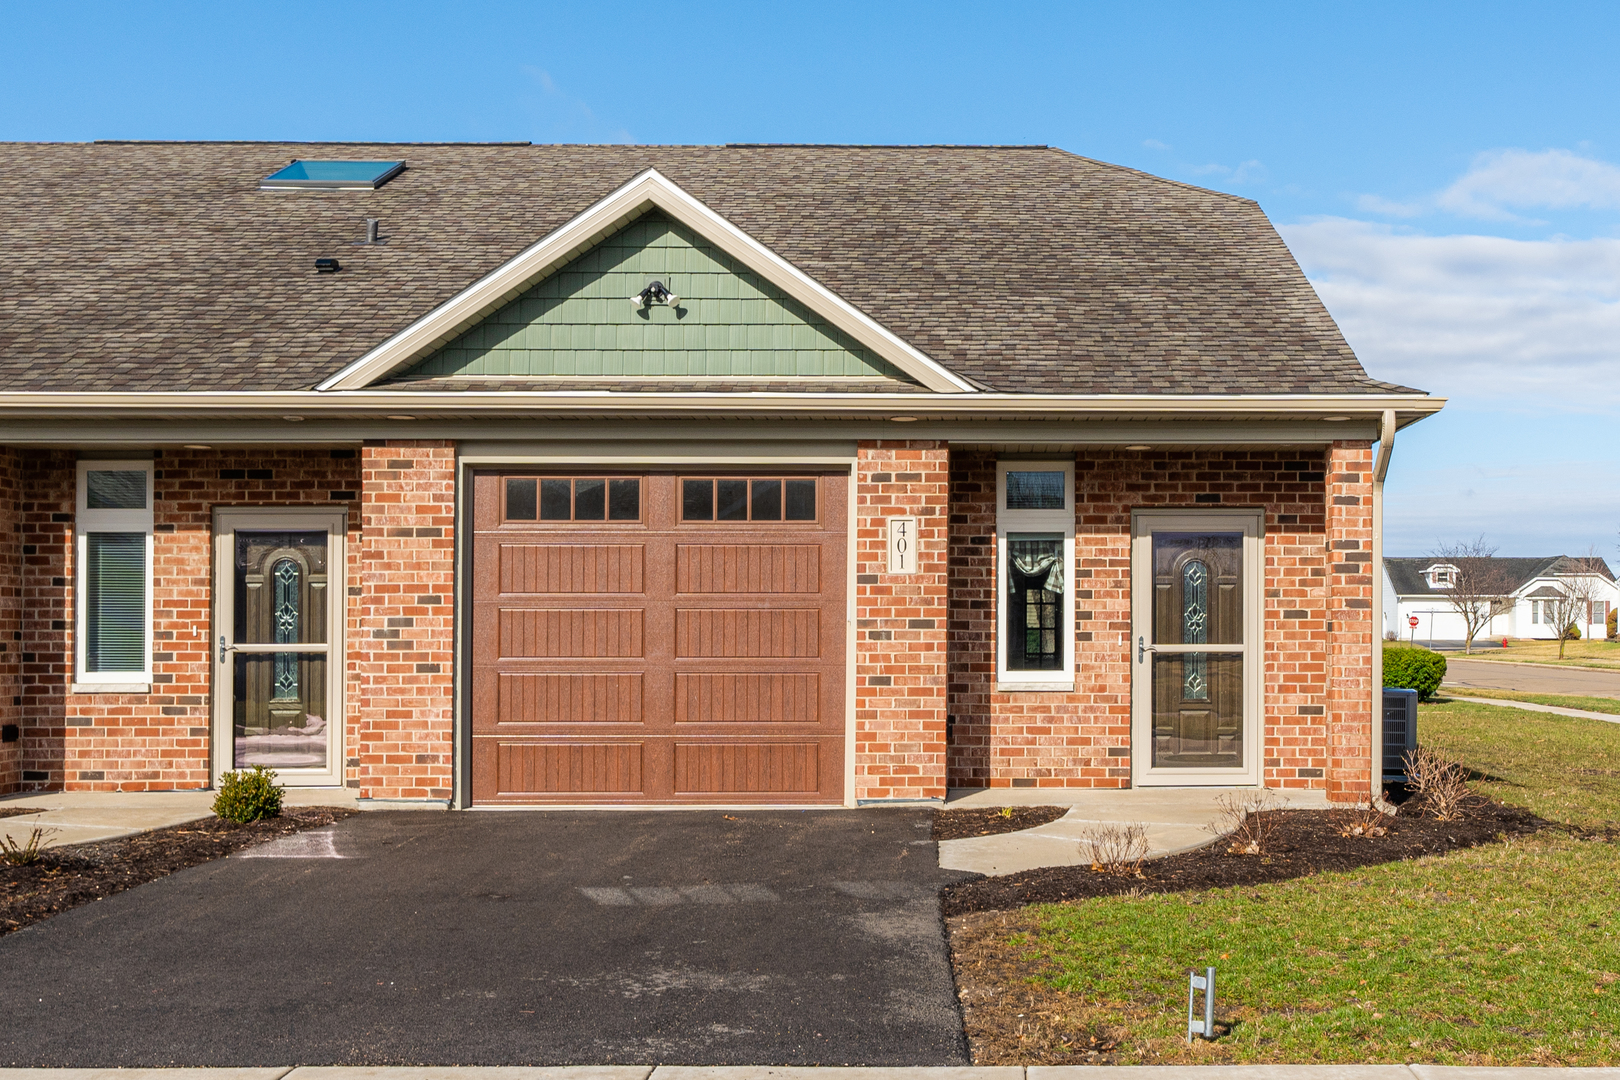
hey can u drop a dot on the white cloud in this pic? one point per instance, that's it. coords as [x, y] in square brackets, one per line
[563, 117]
[1502, 181]
[1245, 172]
[1535, 323]
[1374, 204]
[1549, 179]
[1155, 144]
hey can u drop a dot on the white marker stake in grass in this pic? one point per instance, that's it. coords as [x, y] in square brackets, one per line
[1205, 982]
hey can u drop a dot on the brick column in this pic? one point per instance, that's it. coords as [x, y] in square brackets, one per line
[401, 639]
[900, 623]
[1351, 634]
[10, 615]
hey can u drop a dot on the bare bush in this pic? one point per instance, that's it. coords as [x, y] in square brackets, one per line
[1441, 782]
[1363, 819]
[1116, 850]
[1247, 821]
[27, 853]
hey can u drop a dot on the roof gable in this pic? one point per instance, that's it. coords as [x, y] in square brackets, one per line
[648, 190]
[579, 322]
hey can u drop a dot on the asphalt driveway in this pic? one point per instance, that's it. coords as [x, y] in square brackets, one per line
[695, 937]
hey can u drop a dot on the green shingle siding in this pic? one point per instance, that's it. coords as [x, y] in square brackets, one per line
[579, 321]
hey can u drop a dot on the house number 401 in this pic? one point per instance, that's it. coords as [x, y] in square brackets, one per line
[902, 545]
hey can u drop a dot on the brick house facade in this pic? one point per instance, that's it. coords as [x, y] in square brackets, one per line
[635, 649]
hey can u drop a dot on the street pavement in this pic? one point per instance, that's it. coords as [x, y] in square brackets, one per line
[1530, 678]
[528, 938]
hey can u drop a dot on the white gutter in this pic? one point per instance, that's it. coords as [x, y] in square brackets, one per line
[310, 404]
[1386, 449]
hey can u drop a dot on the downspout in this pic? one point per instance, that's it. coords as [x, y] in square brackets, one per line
[1386, 447]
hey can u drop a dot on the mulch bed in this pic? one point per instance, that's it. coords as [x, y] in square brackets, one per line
[65, 877]
[1302, 842]
[19, 811]
[991, 821]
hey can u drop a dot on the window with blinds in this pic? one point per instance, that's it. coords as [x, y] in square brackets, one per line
[114, 526]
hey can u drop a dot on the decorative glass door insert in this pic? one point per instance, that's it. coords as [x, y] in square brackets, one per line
[1195, 636]
[275, 649]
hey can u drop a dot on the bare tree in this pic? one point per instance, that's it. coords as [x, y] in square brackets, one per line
[1564, 608]
[1584, 585]
[1479, 585]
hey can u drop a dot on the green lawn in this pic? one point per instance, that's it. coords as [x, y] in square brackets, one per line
[1501, 955]
[1592, 654]
[1563, 768]
[1567, 701]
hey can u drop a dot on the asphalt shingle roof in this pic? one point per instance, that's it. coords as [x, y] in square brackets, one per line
[1406, 574]
[160, 266]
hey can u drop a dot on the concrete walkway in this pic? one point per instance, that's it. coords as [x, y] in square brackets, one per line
[1176, 820]
[778, 1072]
[80, 817]
[1557, 710]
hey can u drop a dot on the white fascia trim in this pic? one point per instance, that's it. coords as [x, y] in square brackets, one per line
[649, 189]
[314, 404]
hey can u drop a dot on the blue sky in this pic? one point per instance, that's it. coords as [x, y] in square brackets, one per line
[1448, 174]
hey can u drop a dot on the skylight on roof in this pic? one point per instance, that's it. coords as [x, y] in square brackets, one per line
[332, 176]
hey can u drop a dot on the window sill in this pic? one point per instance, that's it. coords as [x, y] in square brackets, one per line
[110, 688]
[1031, 686]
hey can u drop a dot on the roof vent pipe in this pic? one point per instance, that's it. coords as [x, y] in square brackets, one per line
[371, 230]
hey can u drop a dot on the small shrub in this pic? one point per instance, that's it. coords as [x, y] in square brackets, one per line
[1363, 819]
[248, 796]
[1117, 850]
[1572, 633]
[1612, 628]
[1411, 668]
[1441, 782]
[27, 853]
[1246, 820]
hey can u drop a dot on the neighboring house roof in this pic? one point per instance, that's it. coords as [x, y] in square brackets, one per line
[1406, 574]
[161, 267]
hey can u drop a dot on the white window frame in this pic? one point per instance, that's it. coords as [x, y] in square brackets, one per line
[1035, 521]
[87, 521]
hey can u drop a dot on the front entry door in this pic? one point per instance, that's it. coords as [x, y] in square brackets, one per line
[277, 648]
[1195, 686]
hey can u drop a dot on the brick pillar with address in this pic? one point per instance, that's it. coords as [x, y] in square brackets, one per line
[403, 636]
[1351, 636]
[900, 620]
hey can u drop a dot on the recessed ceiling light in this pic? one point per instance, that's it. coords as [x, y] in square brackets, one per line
[294, 419]
[1138, 446]
[401, 416]
[1335, 419]
[902, 419]
[197, 446]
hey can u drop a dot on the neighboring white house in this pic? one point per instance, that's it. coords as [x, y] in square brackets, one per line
[1420, 587]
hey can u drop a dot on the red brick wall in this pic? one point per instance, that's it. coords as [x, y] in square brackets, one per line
[1351, 634]
[900, 624]
[1082, 739]
[157, 740]
[10, 614]
[403, 638]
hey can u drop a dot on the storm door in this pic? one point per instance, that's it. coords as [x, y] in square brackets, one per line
[1195, 686]
[278, 603]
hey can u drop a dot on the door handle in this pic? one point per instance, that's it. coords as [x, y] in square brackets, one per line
[1142, 648]
[224, 648]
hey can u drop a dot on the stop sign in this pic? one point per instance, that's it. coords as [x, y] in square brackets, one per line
[1411, 620]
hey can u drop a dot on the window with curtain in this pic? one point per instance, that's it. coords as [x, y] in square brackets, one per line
[114, 525]
[1035, 522]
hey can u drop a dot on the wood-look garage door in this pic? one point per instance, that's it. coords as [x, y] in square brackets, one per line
[658, 638]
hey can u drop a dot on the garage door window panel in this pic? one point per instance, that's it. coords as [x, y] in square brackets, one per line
[757, 500]
[562, 500]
